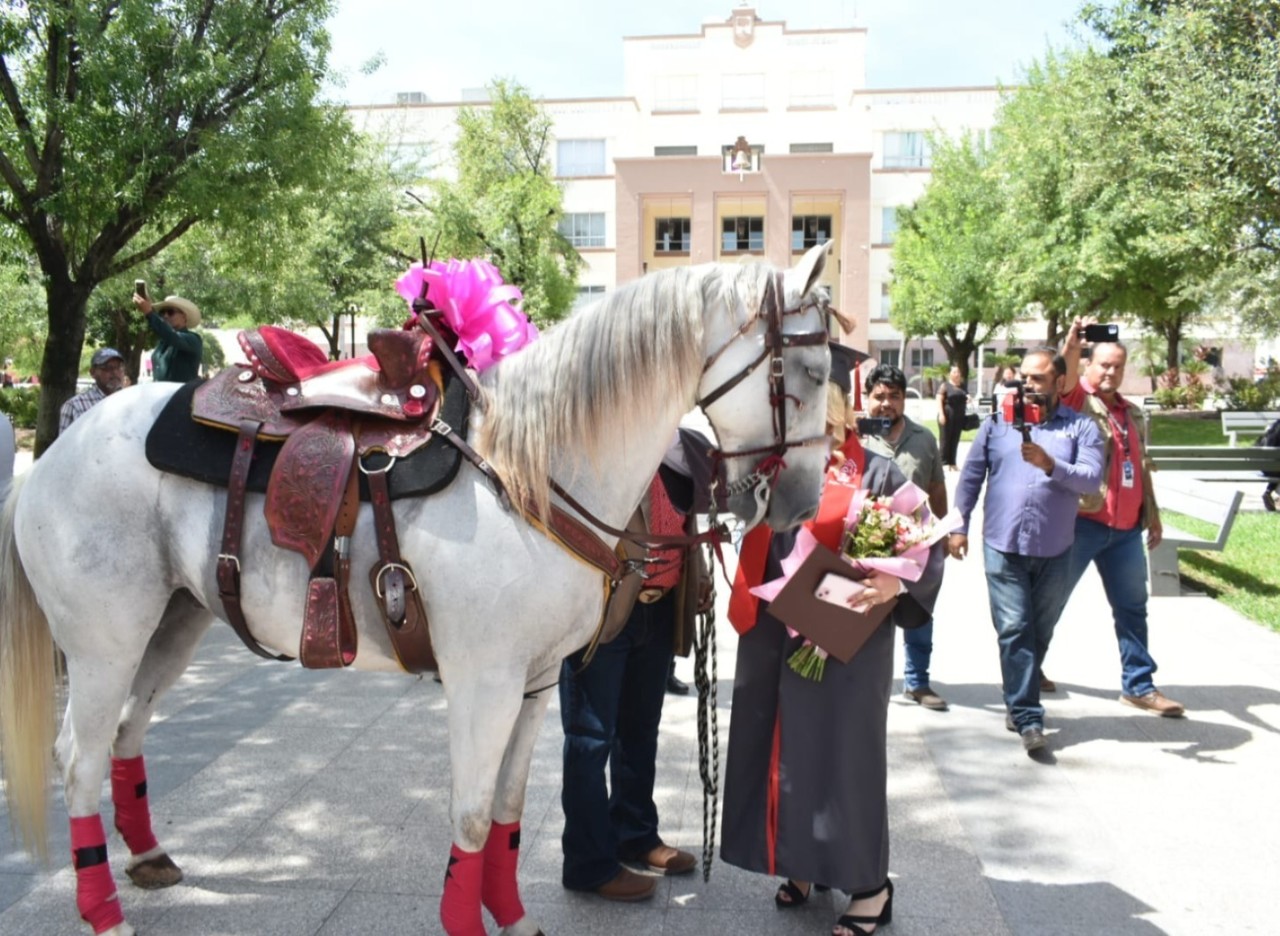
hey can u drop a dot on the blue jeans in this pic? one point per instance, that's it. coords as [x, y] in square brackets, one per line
[1027, 594]
[917, 648]
[1122, 564]
[610, 712]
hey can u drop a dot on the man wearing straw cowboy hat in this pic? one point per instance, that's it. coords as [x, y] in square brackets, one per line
[178, 350]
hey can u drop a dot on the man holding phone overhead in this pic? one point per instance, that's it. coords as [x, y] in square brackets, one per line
[178, 350]
[1110, 522]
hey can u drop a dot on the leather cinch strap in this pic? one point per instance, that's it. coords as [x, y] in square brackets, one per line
[228, 569]
[396, 588]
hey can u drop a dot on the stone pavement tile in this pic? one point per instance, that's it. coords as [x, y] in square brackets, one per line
[238, 910]
[1071, 909]
[49, 909]
[814, 920]
[383, 915]
[412, 861]
[262, 771]
[304, 845]
[13, 887]
[587, 915]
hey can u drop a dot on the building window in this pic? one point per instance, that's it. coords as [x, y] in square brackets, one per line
[885, 304]
[921, 358]
[742, 92]
[741, 234]
[584, 229]
[890, 356]
[587, 295]
[809, 231]
[671, 235]
[888, 224]
[812, 148]
[907, 150]
[811, 89]
[580, 158]
[675, 151]
[675, 93]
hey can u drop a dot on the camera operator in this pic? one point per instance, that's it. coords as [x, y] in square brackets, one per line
[1110, 523]
[1035, 474]
[913, 449]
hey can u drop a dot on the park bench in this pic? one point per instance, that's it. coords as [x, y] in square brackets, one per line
[1246, 422]
[1204, 503]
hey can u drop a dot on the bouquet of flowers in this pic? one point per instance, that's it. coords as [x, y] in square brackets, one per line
[890, 534]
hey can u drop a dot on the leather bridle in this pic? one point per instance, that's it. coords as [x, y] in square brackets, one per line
[772, 457]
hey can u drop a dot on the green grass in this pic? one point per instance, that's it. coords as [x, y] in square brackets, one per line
[1246, 575]
[1186, 429]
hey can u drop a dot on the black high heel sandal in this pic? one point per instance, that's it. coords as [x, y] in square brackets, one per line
[795, 897]
[850, 922]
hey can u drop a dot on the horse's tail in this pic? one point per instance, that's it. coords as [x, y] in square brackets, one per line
[28, 682]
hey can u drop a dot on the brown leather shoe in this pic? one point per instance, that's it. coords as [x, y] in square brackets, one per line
[628, 887]
[1155, 701]
[1047, 684]
[926, 697]
[667, 860]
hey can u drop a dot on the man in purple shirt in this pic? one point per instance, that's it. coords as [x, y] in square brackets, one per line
[1034, 486]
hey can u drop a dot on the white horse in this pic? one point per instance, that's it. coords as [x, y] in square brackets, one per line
[115, 562]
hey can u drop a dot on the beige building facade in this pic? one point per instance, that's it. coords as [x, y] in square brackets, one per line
[741, 138]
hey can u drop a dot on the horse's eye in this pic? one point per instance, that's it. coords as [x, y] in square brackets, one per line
[816, 375]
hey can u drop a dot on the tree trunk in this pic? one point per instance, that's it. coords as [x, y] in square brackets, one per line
[60, 365]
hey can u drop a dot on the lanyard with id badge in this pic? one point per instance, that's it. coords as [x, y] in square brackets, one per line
[1122, 430]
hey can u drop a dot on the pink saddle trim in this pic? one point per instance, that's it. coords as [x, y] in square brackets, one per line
[299, 357]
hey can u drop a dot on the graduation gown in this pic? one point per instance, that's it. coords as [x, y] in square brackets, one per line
[805, 792]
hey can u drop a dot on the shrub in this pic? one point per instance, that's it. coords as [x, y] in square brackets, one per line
[21, 405]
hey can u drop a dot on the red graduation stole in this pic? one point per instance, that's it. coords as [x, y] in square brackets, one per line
[827, 528]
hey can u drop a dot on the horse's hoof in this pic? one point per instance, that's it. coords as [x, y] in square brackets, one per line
[155, 873]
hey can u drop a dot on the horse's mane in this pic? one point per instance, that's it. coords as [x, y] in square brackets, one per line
[618, 359]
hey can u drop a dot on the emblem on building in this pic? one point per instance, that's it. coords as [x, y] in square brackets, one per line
[744, 26]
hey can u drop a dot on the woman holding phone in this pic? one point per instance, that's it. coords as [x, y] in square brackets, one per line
[178, 350]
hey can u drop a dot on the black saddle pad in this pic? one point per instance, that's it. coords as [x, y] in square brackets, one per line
[180, 445]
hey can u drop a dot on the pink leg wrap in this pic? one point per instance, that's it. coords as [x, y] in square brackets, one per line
[129, 794]
[96, 897]
[500, 893]
[460, 905]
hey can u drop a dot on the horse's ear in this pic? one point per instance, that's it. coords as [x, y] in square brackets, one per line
[804, 275]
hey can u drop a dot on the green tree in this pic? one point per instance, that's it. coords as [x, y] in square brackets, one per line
[948, 250]
[126, 122]
[505, 205]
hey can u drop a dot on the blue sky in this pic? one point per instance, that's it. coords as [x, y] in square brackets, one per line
[573, 48]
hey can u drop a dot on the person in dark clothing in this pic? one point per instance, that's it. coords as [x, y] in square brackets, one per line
[178, 350]
[952, 401]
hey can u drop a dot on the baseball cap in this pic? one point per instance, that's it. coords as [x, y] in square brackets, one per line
[104, 356]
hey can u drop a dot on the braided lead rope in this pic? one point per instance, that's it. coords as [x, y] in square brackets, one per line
[704, 648]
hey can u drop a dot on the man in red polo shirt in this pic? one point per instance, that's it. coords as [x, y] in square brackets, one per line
[1110, 523]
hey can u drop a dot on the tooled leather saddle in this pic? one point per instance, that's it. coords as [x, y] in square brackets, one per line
[339, 422]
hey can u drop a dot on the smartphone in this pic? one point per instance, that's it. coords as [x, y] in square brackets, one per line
[1098, 333]
[874, 425]
[838, 590]
[140, 287]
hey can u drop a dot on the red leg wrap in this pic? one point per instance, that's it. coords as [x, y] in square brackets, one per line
[129, 794]
[500, 892]
[96, 897]
[460, 905]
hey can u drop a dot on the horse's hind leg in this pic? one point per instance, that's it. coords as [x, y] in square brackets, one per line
[167, 657]
[501, 891]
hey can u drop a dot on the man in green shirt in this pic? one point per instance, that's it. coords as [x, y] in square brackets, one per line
[178, 350]
[913, 449]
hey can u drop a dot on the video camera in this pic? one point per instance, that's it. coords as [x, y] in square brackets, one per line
[874, 425]
[1022, 408]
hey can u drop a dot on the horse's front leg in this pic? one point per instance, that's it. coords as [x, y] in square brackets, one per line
[501, 891]
[482, 718]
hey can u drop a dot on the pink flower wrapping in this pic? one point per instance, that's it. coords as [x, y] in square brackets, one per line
[477, 304]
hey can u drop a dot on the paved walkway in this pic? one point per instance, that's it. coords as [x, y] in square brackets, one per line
[316, 803]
